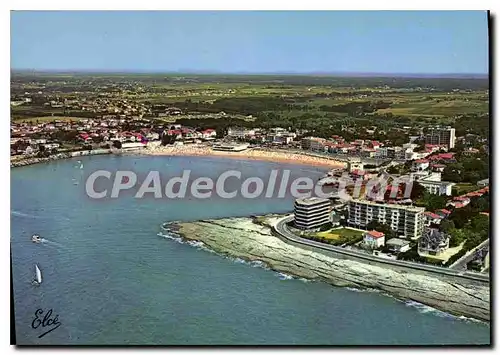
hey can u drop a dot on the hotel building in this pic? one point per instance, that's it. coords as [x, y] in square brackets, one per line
[313, 143]
[440, 136]
[312, 212]
[407, 221]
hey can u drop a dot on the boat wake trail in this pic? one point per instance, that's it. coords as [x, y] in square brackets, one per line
[21, 214]
[55, 244]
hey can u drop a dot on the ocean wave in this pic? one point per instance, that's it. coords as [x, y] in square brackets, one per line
[177, 238]
[202, 246]
[259, 264]
[284, 276]
[423, 308]
[362, 290]
[238, 260]
[172, 236]
[354, 289]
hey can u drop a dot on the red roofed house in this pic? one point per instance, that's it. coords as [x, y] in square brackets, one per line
[431, 148]
[85, 137]
[375, 144]
[438, 167]
[374, 239]
[432, 218]
[209, 133]
[443, 156]
[443, 213]
[420, 165]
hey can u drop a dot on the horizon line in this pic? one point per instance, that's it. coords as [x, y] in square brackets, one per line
[251, 73]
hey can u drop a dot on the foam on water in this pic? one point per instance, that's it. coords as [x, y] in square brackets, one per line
[172, 236]
[284, 276]
[51, 243]
[362, 290]
[422, 308]
[21, 214]
[200, 245]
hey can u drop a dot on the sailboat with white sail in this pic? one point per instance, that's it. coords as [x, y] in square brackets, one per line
[38, 276]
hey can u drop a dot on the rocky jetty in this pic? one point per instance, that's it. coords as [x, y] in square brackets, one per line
[251, 239]
[31, 161]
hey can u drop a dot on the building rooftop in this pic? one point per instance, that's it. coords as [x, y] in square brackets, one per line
[397, 242]
[390, 205]
[311, 200]
[432, 215]
[375, 234]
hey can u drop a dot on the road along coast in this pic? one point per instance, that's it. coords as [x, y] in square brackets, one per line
[252, 239]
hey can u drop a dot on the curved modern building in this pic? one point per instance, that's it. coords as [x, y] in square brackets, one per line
[312, 212]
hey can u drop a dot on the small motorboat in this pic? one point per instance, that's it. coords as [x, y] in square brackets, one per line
[36, 238]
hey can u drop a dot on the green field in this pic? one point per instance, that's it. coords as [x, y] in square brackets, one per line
[338, 236]
[312, 102]
[49, 119]
[463, 188]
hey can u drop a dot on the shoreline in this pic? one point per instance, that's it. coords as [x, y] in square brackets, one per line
[61, 156]
[251, 239]
[249, 154]
[195, 151]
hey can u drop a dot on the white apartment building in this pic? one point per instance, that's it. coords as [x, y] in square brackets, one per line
[313, 143]
[240, 133]
[435, 186]
[441, 135]
[407, 221]
[312, 212]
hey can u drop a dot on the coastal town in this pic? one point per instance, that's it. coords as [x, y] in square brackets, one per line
[416, 192]
[427, 226]
[259, 178]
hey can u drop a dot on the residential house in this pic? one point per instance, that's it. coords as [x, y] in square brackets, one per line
[420, 165]
[209, 133]
[438, 167]
[373, 239]
[432, 218]
[398, 245]
[483, 183]
[435, 186]
[443, 213]
[433, 242]
[459, 202]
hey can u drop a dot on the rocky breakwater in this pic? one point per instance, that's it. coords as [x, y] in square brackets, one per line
[251, 239]
[35, 160]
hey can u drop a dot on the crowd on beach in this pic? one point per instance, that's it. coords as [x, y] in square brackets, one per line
[252, 153]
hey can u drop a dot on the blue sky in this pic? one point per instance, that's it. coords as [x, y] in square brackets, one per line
[255, 42]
